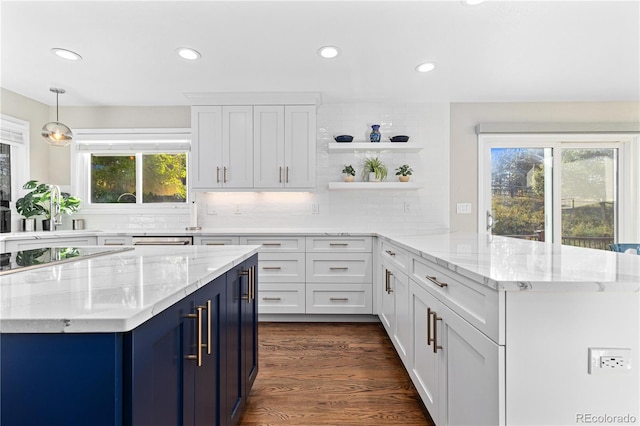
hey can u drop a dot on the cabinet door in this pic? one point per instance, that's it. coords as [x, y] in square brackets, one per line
[237, 149]
[210, 301]
[425, 363]
[300, 147]
[402, 333]
[268, 142]
[250, 327]
[205, 159]
[469, 373]
[232, 365]
[388, 304]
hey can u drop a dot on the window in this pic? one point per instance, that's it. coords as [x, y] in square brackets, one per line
[570, 189]
[14, 156]
[146, 167]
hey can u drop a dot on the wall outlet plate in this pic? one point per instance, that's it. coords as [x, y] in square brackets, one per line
[609, 360]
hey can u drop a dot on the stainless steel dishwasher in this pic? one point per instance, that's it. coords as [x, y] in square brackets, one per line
[161, 241]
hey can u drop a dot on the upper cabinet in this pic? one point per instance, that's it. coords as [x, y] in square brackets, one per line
[284, 150]
[222, 147]
[249, 142]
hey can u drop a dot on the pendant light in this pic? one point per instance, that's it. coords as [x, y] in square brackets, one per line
[54, 132]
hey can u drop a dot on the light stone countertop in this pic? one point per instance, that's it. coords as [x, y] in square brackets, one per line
[111, 293]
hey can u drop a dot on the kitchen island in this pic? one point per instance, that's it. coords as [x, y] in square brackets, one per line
[149, 336]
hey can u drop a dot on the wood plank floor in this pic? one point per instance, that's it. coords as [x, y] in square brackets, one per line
[331, 374]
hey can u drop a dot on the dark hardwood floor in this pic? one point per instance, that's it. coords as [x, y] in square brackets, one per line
[331, 374]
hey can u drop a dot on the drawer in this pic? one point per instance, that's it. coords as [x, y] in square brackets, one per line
[114, 241]
[339, 299]
[395, 255]
[276, 298]
[276, 244]
[281, 267]
[473, 301]
[216, 241]
[28, 244]
[339, 267]
[339, 244]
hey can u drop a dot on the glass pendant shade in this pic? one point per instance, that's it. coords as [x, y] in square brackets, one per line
[54, 132]
[57, 133]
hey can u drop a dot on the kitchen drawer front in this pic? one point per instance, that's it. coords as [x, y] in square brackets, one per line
[29, 244]
[473, 301]
[394, 255]
[339, 267]
[276, 244]
[281, 267]
[281, 298]
[339, 299]
[216, 241]
[339, 244]
[114, 241]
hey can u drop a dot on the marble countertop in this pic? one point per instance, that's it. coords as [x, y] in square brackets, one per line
[111, 293]
[511, 264]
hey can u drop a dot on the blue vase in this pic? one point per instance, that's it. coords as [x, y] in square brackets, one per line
[375, 133]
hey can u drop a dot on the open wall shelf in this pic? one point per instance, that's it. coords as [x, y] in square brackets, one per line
[370, 146]
[345, 186]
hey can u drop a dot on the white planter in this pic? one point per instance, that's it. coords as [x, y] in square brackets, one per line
[372, 177]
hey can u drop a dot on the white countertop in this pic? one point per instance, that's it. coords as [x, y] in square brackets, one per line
[512, 264]
[111, 293]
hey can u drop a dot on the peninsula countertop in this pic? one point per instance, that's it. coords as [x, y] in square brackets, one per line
[111, 293]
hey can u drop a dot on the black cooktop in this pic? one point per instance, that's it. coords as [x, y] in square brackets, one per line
[34, 258]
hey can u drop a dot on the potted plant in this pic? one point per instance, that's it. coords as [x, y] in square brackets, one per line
[374, 169]
[38, 201]
[404, 172]
[349, 173]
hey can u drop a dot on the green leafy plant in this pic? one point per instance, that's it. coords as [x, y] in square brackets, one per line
[404, 170]
[349, 170]
[376, 166]
[36, 202]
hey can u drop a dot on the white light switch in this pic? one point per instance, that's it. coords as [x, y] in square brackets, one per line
[463, 208]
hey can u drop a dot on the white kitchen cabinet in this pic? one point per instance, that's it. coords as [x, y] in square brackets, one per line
[114, 241]
[281, 268]
[339, 244]
[339, 267]
[458, 371]
[222, 148]
[28, 244]
[216, 241]
[284, 147]
[338, 298]
[395, 309]
[281, 298]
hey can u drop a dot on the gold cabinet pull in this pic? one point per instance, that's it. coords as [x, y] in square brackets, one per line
[338, 299]
[429, 339]
[390, 253]
[338, 268]
[198, 356]
[215, 244]
[436, 282]
[280, 175]
[436, 318]
[272, 244]
[287, 175]
[217, 174]
[277, 268]
[338, 244]
[247, 296]
[388, 281]
[208, 308]
[272, 298]
[253, 282]
[113, 244]
[224, 174]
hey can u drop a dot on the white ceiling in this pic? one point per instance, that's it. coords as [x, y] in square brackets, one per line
[496, 51]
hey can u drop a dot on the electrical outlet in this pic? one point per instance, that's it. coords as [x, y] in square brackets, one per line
[609, 360]
[237, 209]
[315, 208]
[463, 208]
[408, 208]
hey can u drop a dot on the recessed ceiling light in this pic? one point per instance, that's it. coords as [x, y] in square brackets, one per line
[426, 67]
[66, 54]
[188, 53]
[328, 52]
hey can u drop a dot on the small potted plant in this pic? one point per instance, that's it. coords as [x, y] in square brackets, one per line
[374, 170]
[349, 173]
[404, 172]
[37, 203]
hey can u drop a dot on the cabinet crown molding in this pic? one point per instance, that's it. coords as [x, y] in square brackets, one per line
[254, 98]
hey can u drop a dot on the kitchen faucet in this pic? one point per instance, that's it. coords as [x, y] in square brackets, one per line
[55, 204]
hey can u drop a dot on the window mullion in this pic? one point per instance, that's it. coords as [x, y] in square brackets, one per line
[139, 178]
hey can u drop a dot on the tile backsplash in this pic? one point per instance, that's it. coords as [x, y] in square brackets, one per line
[427, 124]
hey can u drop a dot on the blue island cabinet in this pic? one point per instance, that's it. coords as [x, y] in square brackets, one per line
[191, 364]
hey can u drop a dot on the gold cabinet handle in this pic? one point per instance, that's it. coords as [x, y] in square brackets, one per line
[215, 244]
[224, 174]
[208, 308]
[280, 175]
[253, 283]
[277, 268]
[388, 279]
[338, 268]
[113, 244]
[272, 298]
[198, 356]
[272, 244]
[217, 174]
[338, 244]
[247, 296]
[287, 174]
[338, 299]
[429, 339]
[436, 318]
[390, 253]
[436, 282]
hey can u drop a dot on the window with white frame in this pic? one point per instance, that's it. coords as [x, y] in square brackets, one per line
[131, 167]
[14, 156]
